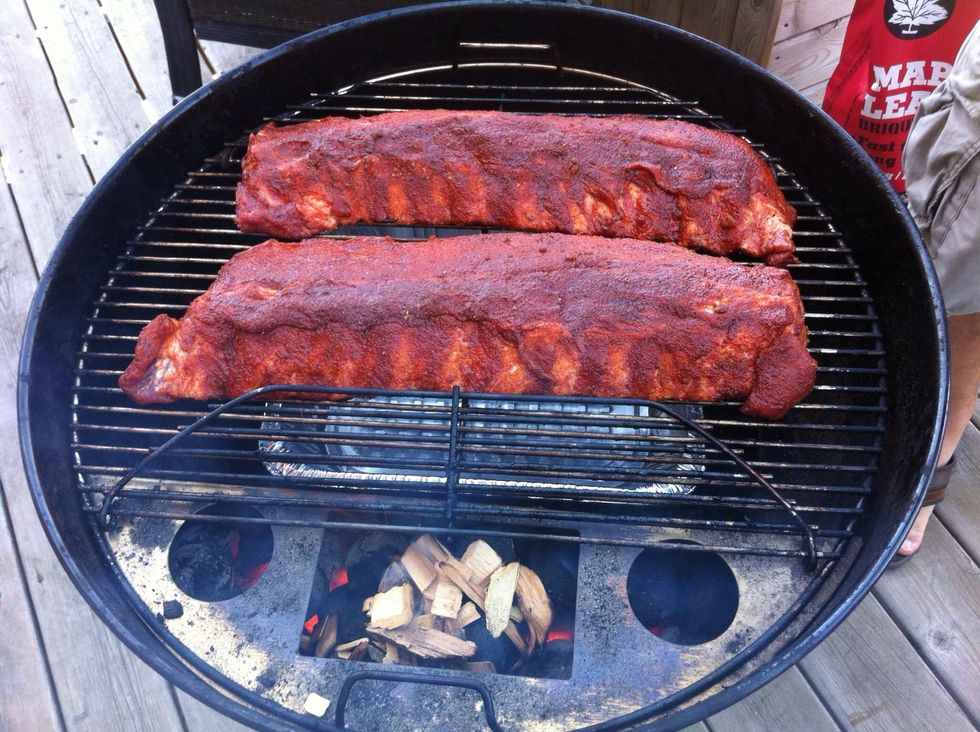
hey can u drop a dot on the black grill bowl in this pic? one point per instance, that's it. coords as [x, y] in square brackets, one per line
[884, 242]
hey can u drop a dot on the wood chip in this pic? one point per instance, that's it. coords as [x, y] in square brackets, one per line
[458, 565]
[376, 654]
[454, 628]
[420, 568]
[316, 705]
[436, 552]
[477, 595]
[305, 640]
[392, 609]
[514, 636]
[468, 614]
[366, 605]
[533, 600]
[355, 650]
[427, 621]
[432, 548]
[406, 659]
[394, 575]
[326, 637]
[351, 645]
[500, 597]
[447, 600]
[482, 561]
[391, 653]
[474, 592]
[426, 642]
[484, 666]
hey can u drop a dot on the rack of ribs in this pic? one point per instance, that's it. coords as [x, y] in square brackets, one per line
[510, 313]
[620, 176]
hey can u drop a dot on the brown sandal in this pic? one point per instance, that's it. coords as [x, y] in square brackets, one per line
[939, 482]
[935, 494]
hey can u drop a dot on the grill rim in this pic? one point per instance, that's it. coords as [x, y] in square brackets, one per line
[39, 410]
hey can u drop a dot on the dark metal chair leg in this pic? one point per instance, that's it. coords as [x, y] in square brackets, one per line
[181, 47]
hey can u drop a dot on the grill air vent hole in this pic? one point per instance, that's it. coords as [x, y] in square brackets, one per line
[219, 558]
[682, 596]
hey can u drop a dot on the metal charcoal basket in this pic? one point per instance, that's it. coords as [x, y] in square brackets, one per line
[313, 459]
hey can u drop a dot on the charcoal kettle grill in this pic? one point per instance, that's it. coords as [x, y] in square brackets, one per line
[850, 464]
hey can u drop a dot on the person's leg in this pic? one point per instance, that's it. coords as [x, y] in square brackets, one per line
[964, 347]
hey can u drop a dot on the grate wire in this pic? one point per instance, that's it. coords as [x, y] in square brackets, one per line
[822, 457]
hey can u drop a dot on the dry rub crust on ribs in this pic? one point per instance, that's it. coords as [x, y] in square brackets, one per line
[622, 176]
[512, 313]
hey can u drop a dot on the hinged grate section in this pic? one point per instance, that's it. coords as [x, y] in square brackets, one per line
[821, 457]
[604, 467]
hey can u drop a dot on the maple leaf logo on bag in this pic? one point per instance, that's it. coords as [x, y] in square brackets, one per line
[917, 18]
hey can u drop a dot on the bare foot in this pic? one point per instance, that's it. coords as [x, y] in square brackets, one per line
[914, 537]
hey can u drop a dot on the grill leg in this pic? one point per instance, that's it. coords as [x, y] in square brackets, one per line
[180, 45]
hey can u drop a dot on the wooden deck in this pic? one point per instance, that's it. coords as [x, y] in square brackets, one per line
[79, 81]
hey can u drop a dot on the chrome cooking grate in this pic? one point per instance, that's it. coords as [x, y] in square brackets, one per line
[821, 457]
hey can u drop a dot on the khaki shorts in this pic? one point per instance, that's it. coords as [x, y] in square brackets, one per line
[942, 168]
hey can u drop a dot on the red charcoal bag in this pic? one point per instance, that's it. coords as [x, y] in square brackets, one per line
[895, 53]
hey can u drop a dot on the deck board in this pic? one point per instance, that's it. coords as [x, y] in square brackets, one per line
[935, 600]
[799, 16]
[48, 178]
[906, 659]
[809, 58]
[106, 108]
[788, 703]
[870, 676]
[135, 26]
[816, 92]
[200, 717]
[27, 697]
[100, 685]
[223, 57]
[41, 160]
[960, 511]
